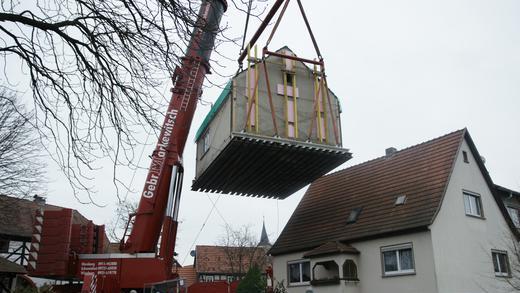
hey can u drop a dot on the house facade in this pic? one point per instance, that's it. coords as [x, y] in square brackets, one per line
[423, 219]
[17, 230]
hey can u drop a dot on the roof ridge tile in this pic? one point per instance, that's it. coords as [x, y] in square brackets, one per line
[398, 151]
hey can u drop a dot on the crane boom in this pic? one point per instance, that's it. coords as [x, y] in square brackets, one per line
[161, 194]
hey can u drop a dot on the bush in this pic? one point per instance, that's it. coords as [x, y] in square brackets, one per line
[253, 282]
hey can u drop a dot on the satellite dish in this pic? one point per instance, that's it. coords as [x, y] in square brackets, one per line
[193, 253]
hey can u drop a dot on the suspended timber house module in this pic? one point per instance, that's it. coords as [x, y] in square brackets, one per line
[274, 129]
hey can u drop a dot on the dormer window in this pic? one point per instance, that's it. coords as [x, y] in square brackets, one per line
[354, 215]
[400, 200]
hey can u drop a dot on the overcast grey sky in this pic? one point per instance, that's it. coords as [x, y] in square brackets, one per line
[406, 71]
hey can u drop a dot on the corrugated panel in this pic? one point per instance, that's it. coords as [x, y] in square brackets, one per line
[268, 167]
[214, 110]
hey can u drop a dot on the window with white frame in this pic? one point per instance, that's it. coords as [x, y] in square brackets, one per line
[513, 213]
[397, 259]
[299, 272]
[472, 204]
[501, 263]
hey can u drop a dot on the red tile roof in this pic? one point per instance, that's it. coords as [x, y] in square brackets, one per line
[17, 216]
[187, 273]
[331, 247]
[420, 172]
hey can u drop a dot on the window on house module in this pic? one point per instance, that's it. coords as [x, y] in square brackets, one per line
[501, 263]
[289, 78]
[299, 272]
[205, 142]
[513, 213]
[291, 117]
[472, 204]
[397, 260]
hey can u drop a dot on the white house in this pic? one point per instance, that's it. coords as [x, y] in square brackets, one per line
[423, 219]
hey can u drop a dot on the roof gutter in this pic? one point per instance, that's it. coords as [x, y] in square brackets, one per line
[274, 252]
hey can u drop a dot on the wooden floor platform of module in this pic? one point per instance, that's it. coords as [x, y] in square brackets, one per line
[267, 167]
[274, 129]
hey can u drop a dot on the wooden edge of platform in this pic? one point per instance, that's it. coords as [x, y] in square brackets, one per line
[284, 141]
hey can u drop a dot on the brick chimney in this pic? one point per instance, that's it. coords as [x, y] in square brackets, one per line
[390, 151]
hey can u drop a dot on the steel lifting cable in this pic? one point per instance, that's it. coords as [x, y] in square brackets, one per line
[277, 23]
[202, 227]
[246, 26]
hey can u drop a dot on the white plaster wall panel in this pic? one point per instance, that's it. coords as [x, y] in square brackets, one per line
[462, 244]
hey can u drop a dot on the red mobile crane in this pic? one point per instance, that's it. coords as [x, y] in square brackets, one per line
[66, 247]
[138, 263]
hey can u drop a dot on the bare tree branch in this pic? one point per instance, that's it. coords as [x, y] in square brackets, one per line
[95, 69]
[21, 167]
[242, 251]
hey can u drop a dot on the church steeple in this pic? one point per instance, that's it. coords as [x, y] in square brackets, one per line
[264, 239]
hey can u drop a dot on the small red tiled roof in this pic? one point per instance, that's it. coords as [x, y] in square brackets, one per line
[331, 247]
[420, 172]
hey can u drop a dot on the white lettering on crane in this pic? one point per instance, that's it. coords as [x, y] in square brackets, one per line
[156, 167]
